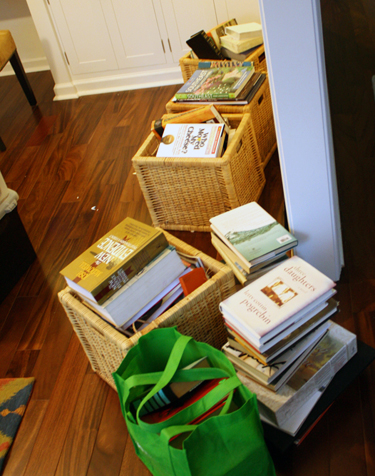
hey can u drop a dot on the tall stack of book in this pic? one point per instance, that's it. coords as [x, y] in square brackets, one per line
[282, 341]
[250, 241]
[128, 276]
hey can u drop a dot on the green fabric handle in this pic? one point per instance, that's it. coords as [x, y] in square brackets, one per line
[182, 375]
[195, 410]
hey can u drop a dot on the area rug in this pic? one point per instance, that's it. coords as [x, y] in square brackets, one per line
[14, 395]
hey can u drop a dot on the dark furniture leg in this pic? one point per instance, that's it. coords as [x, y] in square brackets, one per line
[2, 145]
[22, 78]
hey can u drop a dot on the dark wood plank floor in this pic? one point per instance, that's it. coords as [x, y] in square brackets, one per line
[70, 163]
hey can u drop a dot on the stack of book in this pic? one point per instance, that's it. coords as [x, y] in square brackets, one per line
[250, 241]
[129, 276]
[229, 85]
[239, 40]
[282, 341]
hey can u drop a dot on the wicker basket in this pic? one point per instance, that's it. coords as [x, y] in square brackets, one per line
[184, 193]
[197, 315]
[260, 110]
[188, 65]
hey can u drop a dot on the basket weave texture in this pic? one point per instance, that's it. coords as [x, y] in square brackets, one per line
[196, 315]
[188, 65]
[184, 193]
[261, 115]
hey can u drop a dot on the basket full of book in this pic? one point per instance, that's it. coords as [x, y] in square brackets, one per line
[137, 278]
[227, 44]
[281, 338]
[197, 164]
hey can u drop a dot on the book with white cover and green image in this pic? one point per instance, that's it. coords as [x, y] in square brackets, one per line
[252, 234]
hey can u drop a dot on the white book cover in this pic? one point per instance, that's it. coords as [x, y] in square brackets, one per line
[277, 299]
[252, 234]
[203, 140]
[330, 355]
[243, 31]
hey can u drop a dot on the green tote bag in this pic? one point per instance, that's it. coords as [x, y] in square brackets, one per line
[228, 444]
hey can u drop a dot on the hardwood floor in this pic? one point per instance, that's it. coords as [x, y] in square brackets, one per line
[70, 163]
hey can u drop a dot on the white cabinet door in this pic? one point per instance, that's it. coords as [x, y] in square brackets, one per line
[183, 19]
[135, 30]
[244, 11]
[84, 35]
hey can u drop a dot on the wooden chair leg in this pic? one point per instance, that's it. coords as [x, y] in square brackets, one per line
[22, 78]
[2, 145]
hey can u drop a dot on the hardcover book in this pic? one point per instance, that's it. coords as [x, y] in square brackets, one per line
[141, 289]
[244, 31]
[316, 372]
[277, 373]
[252, 234]
[204, 46]
[273, 352]
[216, 83]
[192, 140]
[114, 259]
[283, 297]
[239, 46]
[219, 30]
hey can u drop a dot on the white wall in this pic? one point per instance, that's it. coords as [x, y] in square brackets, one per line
[15, 17]
[295, 58]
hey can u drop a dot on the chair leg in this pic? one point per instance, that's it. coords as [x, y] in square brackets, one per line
[2, 146]
[22, 78]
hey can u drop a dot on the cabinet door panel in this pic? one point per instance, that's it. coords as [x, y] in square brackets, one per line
[183, 19]
[138, 29]
[84, 35]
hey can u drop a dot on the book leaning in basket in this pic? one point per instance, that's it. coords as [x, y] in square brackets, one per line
[282, 341]
[131, 275]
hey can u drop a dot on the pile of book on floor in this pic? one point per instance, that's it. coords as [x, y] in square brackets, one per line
[221, 85]
[283, 343]
[132, 275]
[228, 40]
[200, 133]
[250, 241]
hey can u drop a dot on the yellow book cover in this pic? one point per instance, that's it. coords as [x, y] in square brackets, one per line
[114, 259]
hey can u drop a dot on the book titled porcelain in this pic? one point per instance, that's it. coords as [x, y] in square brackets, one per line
[277, 299]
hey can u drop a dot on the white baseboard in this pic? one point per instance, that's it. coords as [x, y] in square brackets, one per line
[126, 81]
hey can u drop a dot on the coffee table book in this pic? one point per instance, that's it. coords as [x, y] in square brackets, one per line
[273, 351]
[280, 443]
[287, 295]
[252, 234]
[276, 374]
[192, 140]
[330, 355]
[114, 259]
[141, 289]
[216, 83]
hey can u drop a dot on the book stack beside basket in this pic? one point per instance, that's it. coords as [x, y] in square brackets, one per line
[283, 342]
[250, 241]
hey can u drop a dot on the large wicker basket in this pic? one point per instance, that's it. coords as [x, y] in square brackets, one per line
[197, 315]
[261, 114]
[184, 193]
[188, 65]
